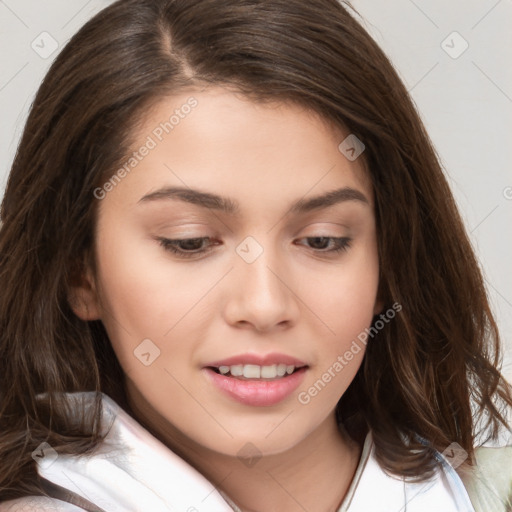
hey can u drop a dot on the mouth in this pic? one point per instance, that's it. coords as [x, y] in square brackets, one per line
[256, 372]
[255, 385]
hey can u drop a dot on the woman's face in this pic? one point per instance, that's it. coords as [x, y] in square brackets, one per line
[287, 280]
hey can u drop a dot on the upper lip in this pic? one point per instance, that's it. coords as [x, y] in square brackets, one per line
[258, 359]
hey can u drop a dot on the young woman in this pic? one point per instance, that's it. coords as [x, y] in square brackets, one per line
[234, 278]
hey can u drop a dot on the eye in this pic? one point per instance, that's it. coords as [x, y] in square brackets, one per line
[187, 247]
[190, 247]
[328, 244]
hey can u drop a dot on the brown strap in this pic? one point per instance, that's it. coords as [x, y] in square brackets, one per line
[63, 494]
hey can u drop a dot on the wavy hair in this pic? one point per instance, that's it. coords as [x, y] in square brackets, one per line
[432, 371]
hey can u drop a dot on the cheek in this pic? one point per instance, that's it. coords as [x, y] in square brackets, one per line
[346, 304]
[133, 292]
[346, 300]
[139, 287]
[144, 296]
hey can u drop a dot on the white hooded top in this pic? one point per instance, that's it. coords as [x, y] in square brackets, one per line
[132, 471]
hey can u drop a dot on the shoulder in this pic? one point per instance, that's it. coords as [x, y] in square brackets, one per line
[373, 488]
[489, 481]
[37, 504]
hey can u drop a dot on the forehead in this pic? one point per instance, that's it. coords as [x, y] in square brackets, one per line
[219, 141]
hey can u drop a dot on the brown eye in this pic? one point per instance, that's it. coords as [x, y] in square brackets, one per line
[328, 244]
[187, 247]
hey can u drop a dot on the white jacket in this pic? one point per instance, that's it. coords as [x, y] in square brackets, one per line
[132, 471]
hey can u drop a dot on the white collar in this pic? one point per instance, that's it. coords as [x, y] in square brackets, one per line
[133, 471]
[373, 489]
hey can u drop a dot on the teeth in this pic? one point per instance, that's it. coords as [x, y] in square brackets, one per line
[236, 370]
[269, 372]
[254, 371]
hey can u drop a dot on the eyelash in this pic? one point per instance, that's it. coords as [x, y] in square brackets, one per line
[341, 244]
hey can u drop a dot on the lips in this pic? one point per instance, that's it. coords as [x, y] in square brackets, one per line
[254, 371]
[260, 360]
[256, 380]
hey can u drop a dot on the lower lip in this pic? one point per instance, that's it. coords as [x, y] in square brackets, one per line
[257, 392]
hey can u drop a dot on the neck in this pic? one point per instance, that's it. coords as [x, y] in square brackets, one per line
[314, 475]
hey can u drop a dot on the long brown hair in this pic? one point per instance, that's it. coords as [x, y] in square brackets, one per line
[421, 372]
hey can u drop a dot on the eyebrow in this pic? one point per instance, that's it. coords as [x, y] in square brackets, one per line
[232, 207]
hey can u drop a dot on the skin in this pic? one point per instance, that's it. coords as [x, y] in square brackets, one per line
[295, 298]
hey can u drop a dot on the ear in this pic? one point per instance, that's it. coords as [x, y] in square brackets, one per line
[83, 296]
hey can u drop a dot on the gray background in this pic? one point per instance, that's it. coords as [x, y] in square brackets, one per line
[464, 96]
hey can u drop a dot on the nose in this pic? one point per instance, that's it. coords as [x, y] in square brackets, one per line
[261, 295]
